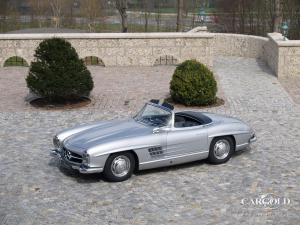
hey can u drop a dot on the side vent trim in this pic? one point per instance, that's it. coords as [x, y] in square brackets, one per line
[155, 151]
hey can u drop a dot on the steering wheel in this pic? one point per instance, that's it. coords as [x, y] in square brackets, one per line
[153, 119]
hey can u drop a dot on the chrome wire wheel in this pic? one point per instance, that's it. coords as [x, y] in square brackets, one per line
[120, 166]
[221, 149]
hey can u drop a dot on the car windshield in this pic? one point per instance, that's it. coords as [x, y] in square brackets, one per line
[154, 116]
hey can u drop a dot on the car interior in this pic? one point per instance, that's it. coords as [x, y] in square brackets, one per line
[190, 119]
[185, 121]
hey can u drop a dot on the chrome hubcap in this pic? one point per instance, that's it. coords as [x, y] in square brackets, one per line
[120, 166]
[221, 149]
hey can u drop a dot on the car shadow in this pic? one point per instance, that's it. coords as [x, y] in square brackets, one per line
[187, 165]
[82, 178]
[240, 152]
[98, 177]
[74, 174]
[172, 167]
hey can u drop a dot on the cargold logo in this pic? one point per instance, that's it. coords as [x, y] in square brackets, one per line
[268, 201]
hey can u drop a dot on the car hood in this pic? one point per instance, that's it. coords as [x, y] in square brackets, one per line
[109, 132]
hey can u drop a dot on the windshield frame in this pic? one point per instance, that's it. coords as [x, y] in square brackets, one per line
[170, 122]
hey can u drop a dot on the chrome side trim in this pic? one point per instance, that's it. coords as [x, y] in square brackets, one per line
[241, 147]
[228, 133]
[174, 160]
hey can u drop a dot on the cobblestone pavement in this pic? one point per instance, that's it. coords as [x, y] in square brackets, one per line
[114, 88]
[34, 190]
[292, 86]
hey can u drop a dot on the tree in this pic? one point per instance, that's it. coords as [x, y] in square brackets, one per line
[121, 6]
[185, 7]
[3, 14]
[13, 15]
[58, 8]
[194, 10]
[57, 74]
[3, 7]
[39, 9]
[147, 6]
[91, 10]
[179, 15]
[277, 16]
[291, 13]
[193, 84]
[158, 14]
[259, 17]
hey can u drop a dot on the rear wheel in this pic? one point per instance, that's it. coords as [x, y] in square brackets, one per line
[221, 150]
[119, 167]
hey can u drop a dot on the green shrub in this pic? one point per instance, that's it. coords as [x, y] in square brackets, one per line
[193, 84]
[57, 73]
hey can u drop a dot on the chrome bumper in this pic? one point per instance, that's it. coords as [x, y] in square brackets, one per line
[55, 153]
[86, 169]
[80, 167]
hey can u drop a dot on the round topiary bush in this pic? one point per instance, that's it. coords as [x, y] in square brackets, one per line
[193, 84]
[57, 73]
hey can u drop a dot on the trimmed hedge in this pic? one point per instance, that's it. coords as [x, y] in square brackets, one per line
[193, 84]
[58, 74]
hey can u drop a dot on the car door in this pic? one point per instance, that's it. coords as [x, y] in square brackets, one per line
[187, 140]
[159, 145]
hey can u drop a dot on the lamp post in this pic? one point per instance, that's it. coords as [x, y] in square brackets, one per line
[285, 28]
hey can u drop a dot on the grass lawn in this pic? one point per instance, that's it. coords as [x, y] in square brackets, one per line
[15, 61]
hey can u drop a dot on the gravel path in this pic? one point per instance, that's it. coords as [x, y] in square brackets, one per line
[33, 190]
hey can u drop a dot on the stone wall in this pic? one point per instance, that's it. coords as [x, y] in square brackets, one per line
[288, 58]
[283, 56]
[271, 54]
[140, 49]
[143, 49]
[238, 45]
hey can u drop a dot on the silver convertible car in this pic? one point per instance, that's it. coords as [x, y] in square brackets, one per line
[156, 137]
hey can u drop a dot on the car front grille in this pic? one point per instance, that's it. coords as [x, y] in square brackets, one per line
[71, 156]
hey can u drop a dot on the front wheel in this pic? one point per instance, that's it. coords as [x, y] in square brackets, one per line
[221, 150]
[119, 167]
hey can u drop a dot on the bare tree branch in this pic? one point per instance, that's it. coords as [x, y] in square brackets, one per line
[121, 6]
[91, 9]
[39, 9]
[179, 15]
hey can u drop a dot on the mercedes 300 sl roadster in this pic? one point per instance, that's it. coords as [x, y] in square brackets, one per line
[157, 136]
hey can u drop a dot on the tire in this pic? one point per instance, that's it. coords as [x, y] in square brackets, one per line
[119, 167]
[221, 150]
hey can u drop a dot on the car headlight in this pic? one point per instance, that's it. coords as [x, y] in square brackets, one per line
[85, 159]
[56, 142]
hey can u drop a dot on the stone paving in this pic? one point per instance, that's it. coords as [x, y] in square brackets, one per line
[292, 86]
[34, 190]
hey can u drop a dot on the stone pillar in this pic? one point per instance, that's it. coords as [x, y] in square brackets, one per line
[282, 56]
